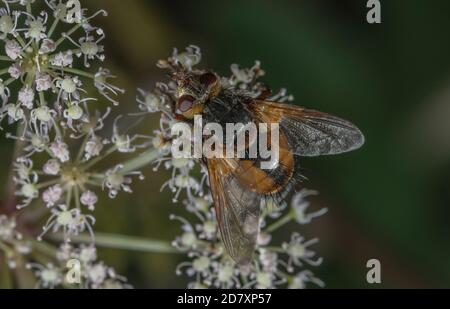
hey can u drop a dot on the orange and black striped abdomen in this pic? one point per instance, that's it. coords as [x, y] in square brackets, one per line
[271, 181]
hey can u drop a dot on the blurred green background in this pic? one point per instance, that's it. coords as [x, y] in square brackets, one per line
[389, 201]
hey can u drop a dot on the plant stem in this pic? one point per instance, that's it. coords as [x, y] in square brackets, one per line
[124, 242]
[74, 71]
[143, 160]
[99, 158]
[53, 27]
[284, 220]
[43, 248]
[5, 249]
[6, 281]
[29, 8]
[6, 58]
[69, 33]
[10, 201]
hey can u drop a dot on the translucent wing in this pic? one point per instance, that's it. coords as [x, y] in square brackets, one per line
[311, 133]
[237, 210]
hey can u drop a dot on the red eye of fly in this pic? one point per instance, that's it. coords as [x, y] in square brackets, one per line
[208, 79]
[185, 103]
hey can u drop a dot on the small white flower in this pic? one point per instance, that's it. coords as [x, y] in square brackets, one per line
[149, 102]
[7, 24]
[26, 97]
[188, 239]
[48, 46]
[73, 113]
[89, 48]
[226, 276]
[71, 221]
[93, 147]
[7, 228]
[36, 29]
[43, 114]
[15, 70]
[117, 181]
[201, 204]
[304, 277]
[52, 195]
[48, 276]
[208, 230]
[104, 87]
[298, 251]
[69, 85]
[269, 260]
[182, 182]
[89, 199]
[88, 254]
[123, 142]
[29, 191]
[201, 264]
[52, 167]
[43, 82]
[13, 49]
[60, 150]
[65, 252]
[14, 112]
[264, 280]
[300, 204]
[63, 59]
[245, 77]
[97, 273]
[23, 168]
[188, 59]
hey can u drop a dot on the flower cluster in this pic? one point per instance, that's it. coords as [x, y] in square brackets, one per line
[87, 270]
[208, 264]
[67, 181]
[54, 108]
[41, 52]
[48, 55]
[77, 265]
[273, 265]
[12, 243]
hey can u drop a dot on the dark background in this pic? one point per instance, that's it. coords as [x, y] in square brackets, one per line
[388, 201]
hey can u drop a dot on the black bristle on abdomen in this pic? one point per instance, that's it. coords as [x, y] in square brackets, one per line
[280, 196]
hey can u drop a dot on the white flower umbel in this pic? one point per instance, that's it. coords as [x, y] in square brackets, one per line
[273, 265]
[60, 139]
[35, 58]
[93, 274]
[70, 177]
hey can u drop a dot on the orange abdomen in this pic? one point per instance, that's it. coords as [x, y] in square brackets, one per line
[268, 181]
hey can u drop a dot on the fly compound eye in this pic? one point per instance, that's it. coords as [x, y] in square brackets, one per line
[185, 103]
[208, 79]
